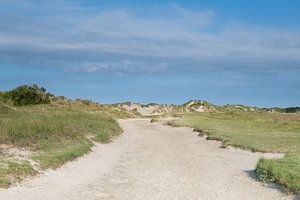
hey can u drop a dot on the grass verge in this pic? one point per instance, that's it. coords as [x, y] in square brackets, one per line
[285, 171]
[256, 131]
[55, 158]
[54, 136]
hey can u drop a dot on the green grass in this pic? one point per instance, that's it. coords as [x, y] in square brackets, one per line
[6, 109]
[256, 131]
[285, 171]
[54, 134]
[11, 172]
[55, 158]
[53, 130]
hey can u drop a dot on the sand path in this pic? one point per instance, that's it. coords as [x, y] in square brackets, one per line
[149, 162]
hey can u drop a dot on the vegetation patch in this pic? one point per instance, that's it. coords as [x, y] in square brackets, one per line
[53, 129]
[285, 171]
[56, 158]
[55, 137]
[26, 95]
[154, 119]
[255, 131]
[63, 136]
[12, 171]
[6, 109]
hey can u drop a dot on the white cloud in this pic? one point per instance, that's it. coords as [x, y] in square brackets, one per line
[119, 40]
[120, 66]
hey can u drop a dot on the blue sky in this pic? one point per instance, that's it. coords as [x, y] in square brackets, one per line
[234, 51]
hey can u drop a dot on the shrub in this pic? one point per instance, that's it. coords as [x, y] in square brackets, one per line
[292, 109]
[26, 95]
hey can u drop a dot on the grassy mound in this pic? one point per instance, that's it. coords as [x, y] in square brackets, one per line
[54, 134]
[58, 136]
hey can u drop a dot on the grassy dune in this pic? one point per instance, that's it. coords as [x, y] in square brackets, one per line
[53, 134]
[256, 131]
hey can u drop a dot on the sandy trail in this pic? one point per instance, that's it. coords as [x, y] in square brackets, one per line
[149, 162]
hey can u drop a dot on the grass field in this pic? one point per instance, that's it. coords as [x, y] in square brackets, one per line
[256, 131]
[53, 134]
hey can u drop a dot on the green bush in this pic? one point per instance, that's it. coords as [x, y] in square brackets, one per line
[292, 109]
[27, 95]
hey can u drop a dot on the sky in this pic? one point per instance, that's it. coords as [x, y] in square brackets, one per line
[225, 52]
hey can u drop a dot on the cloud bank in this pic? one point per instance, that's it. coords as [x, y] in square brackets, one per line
[73, 37]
